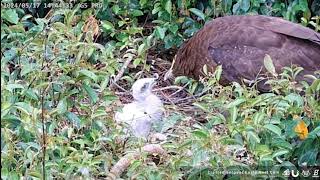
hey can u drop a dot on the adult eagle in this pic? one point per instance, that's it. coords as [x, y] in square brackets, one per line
[240, 43]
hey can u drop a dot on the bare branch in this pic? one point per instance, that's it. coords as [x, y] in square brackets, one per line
[121, 72]
[126, 160]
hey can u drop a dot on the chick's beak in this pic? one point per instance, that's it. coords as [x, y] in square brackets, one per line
[153, 82]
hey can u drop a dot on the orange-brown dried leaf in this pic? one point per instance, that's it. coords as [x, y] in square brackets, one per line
[308, 111]
[248, 120]
[75, 20]
[92, 24]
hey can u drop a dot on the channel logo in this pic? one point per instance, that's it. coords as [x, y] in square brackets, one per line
[304, 173]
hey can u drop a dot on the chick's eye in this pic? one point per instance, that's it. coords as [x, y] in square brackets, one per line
[144, 87]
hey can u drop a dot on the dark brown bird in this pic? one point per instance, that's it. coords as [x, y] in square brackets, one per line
[240, 43]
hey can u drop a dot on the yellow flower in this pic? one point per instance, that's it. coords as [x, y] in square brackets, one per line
[301, 128]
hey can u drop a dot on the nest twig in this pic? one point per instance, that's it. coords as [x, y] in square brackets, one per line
[120, 73]
[174, 95]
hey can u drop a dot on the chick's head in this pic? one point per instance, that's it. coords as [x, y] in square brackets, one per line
[142, 88]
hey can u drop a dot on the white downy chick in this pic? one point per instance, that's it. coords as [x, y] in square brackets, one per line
[146, 108]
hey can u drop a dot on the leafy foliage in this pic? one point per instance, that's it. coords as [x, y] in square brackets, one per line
[55, 77]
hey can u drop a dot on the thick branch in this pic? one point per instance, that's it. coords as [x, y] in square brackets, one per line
[126, 160]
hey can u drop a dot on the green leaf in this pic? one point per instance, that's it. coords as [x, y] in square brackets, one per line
[280, 153]
[215, 120]
[156, 8]
[137, 61]
[226, 5]
[62, 106]
[295, 98]
[26, 17]
[9, 121]
[197, 12]
[200, 134]
[92, 94]
[116, 9]
[34, 145]
[104, 83]
[315, 133]
[9, 55]
[279, 142]
[168, 6]
[273, 128]
[268, 64]
[123, 37]
[263, 150]
[181, 80]
[236, 8]
[233, 114]
[10, 15]
[236, 102]
[245, 5]
[218, 72]
[59, 25]
[74, 119]
[199, 157]
[88, 74]
[258, 117]
[99, 114]
[107, 25]
[106, 139]
[160, 32]
[35, 174]
[143, 2]
[137, 12]
[171, 122]
[141, 49]
[121, 23]
[193, 87]
[111, 70]
[174, 28]
[253, 137]
[309, 157]
[11, 87]
[202, 106]
[70, 132]
[264, 159]
[31, 94]
[24, 107]
[134, 165]
[315, 86]
[27, 68]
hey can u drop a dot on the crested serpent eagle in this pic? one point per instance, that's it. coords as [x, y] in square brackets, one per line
[240, 43]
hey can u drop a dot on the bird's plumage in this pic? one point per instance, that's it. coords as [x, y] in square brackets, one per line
[240, 43]
[145, 110]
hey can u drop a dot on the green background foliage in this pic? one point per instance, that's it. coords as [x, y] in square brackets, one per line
[56, 69]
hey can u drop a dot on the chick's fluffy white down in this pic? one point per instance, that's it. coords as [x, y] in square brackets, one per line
[140, 115]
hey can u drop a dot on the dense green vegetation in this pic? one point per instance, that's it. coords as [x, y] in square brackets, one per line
[57, 103]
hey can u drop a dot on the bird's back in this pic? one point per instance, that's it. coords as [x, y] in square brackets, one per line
[239, 44]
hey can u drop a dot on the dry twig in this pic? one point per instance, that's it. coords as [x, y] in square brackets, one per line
[121, 72]
[168, 87]
[126, 160]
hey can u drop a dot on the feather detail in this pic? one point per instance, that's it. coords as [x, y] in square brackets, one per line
[144, 111]
[239, 44]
